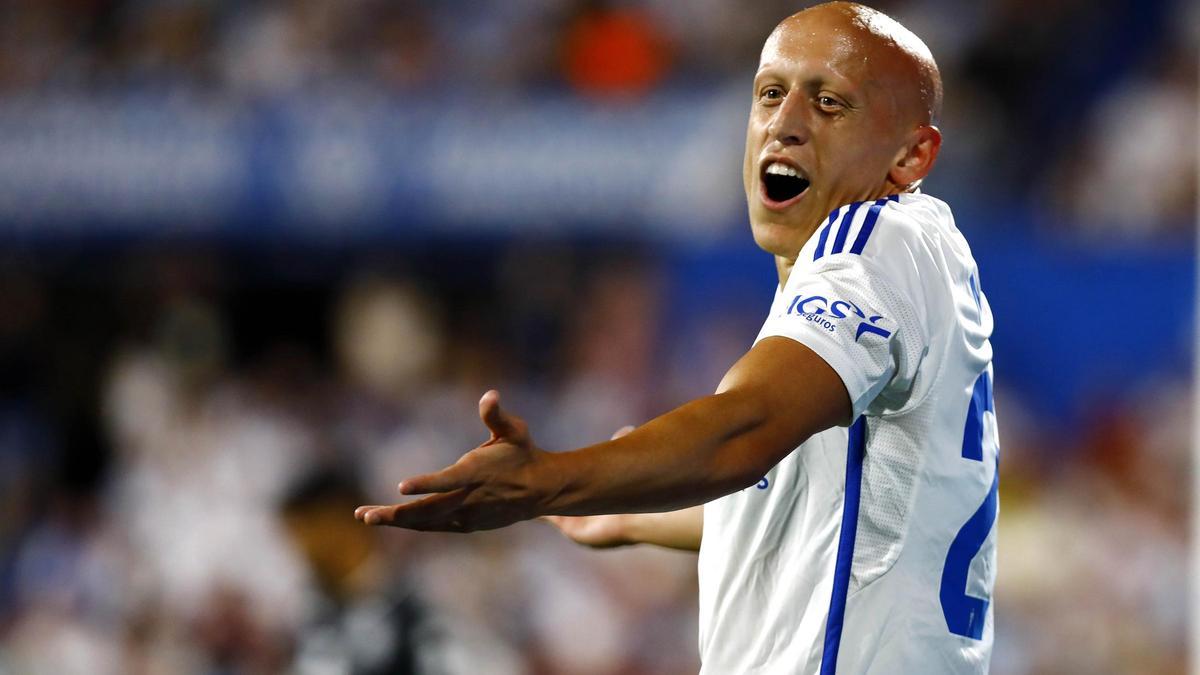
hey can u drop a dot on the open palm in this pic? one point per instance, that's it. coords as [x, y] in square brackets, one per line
[605, 531]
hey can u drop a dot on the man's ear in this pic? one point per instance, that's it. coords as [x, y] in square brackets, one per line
[916, 159]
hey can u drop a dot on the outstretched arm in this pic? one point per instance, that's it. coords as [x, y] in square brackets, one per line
[773, 398]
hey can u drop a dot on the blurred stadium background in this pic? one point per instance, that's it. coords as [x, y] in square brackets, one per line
[258, 260]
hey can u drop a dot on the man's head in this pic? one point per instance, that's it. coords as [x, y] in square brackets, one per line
[844, 104]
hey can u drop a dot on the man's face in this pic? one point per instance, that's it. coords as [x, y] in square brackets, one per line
[823, 130]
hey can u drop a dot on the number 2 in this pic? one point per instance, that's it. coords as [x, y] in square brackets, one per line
[966, 614]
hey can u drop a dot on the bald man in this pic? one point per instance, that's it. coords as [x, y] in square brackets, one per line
[842, 481]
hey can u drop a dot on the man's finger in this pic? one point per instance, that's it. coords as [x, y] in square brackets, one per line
[623, 431]
[500, 423]
[375, 515]
[380, 515]
[435, 512]
[362, 510]
[451, 478]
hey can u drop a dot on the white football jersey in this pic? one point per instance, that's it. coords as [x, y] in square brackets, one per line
[870, 549]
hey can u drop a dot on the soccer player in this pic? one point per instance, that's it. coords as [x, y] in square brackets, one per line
[847, 464]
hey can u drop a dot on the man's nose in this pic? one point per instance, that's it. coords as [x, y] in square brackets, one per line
[789, 126]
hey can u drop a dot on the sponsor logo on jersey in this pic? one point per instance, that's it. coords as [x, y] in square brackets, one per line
[828, 314]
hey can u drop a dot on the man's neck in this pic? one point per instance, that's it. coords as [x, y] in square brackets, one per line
[784, 267]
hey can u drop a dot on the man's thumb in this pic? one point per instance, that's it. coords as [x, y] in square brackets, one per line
[623, 431]
[500, 423]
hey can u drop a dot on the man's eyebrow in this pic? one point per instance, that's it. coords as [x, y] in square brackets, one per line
[766, 71]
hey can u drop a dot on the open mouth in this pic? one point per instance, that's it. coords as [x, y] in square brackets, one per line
[783, 183]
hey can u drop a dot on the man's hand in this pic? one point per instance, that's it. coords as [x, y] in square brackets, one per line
[607, 531]
[681, 530]
[491, 486]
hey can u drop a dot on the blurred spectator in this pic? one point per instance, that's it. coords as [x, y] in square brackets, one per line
[364, 614]
[1135, 173]
[612, 354]
[614, 51]
[1095, 540]
[387, 339]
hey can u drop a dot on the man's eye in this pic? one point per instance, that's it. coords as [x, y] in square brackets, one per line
[771, 94]
[829, 102]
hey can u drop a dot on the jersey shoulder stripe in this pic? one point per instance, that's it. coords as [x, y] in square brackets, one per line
[825, 233]
[844, 228]
[869, 224]
[847, 223]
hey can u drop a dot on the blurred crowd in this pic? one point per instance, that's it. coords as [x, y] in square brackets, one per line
[1030, 115]
[208, 528]
[186, 429]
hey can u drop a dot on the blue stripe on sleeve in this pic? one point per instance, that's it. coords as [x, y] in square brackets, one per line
[855, 452]
[868, 225]
[844, 228]
[825, 234]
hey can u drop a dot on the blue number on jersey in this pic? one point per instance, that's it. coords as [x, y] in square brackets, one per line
[965, 614]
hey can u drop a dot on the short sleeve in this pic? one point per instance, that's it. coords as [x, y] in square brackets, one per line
[864, 316]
